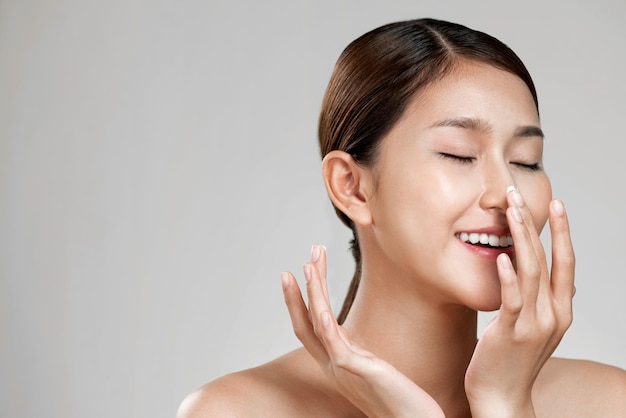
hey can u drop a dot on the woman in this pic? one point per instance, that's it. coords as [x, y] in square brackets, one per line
[432, 155]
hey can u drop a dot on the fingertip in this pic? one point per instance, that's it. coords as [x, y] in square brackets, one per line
[510, 293]
[315, 253]
[285, 279]
[516, 198]
[504, 261]
[506, 272]
[307, 272]
[557, 207]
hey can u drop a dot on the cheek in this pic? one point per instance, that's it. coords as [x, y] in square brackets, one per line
[418, 201]
[538, 196]
[441, 193]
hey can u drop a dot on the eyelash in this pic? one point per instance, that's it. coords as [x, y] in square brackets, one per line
[531, 167]
[469, 160]
[458, 158]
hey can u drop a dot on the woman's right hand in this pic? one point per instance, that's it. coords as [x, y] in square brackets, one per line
[535, 313]
[370, 383]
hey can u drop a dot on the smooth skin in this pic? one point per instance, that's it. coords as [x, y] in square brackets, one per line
[408, 347]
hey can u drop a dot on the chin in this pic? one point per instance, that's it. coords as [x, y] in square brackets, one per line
[484, 298]
[488, 307]
[487, 302]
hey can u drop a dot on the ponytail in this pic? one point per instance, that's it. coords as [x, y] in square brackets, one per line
[356, 279]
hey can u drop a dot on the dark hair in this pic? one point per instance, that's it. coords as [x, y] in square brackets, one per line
[376, 77]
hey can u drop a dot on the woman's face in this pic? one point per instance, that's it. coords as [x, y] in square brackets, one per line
[442, 178]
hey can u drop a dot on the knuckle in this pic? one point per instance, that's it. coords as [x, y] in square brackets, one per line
[524, 334]
[547, 324]
[569, 260]
[567, 257]
[514, 306]
[541, 255]
[540, 328]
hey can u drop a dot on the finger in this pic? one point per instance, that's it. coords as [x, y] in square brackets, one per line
[299, 314]
[563, 258]
[342, 353]
[318, 257]
[515, 199]
[512, 301]
[318, 302]
[529, 254]
[528, 270]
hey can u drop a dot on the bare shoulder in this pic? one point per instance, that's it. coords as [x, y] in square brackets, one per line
[221, 397]
[285, 387]
[580, 388]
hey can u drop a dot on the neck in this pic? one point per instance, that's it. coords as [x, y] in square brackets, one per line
[430, 342]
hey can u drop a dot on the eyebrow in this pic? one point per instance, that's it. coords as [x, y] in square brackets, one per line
[529, 131]
[480, 125]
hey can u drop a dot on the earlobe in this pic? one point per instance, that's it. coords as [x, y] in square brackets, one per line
[347, 185]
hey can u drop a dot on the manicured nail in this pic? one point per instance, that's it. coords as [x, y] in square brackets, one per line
[504, 261]
[557, 207]
[517, 215]
[315, 253]
[284, 278]
[517, 199]
[510, 189]
[307, 272]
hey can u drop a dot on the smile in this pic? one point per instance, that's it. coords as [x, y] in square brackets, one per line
[490, 240]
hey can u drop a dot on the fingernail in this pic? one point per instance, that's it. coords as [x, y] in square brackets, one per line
[510, 189]
[315, 253]
[517, 215]
[517, 199]
[504, 261]
[558, 207]
[307, 272]
[284, 278]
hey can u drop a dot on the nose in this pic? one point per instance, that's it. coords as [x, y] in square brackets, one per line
[496, 179]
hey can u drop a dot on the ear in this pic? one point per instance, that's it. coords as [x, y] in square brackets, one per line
[348, 186]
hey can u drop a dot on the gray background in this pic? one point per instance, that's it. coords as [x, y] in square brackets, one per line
[159, 169]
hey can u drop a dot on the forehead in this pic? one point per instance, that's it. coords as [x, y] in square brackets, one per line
[475, 90]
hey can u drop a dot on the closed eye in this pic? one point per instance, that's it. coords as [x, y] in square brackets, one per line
[531, 167]
[458, 158]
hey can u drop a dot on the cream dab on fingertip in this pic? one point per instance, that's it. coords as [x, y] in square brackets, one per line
[510, 189]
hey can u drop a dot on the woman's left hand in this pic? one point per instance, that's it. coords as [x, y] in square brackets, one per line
[536, 311]
[373, 385]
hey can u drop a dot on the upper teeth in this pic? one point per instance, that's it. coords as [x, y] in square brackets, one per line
[486, 239]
